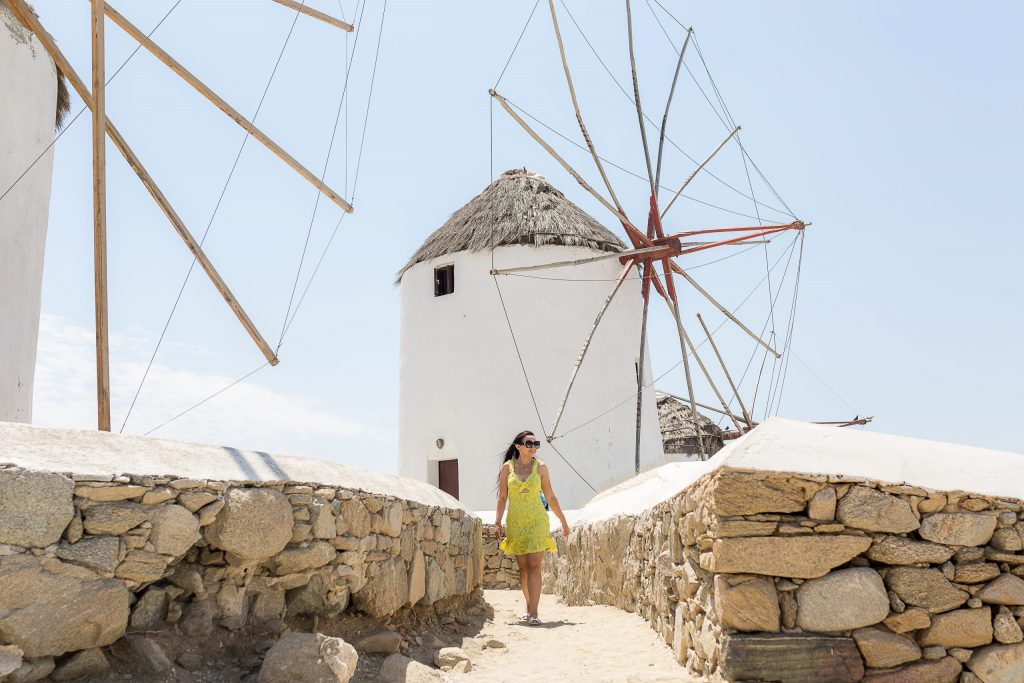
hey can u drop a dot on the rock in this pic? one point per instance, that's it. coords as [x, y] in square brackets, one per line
[494, 644]
[450, 656]
[386, 592]
[32, 670]
[47, 613]
[107, 494]
[233, 604]
[353, 518]
[150, 611]
[186, 577]
[461, 667]
[208, 513]
[254, 525]
[882, 649]
[735, 493]
[871, 510]
[193, 500]
[998, 663]
[87, 663]
[322, 522]
[141, 565]
[160, 494]
[35, 507]
[175, 529]
[901, 550]
[975, 573]
[113, 518]
[146, 654]
[417, 578]
[1007, 589]
[731, 528]
[10, 659]
[391, 520]
[823, 505]
[935, 652]
[98, 553]
[400, 669]
[946, 670]
[792, 658]
[197, 618]
[309, 658]
[926, 588]
[435, 589]
[841, 601]
[380, 643]
[802, 557]
[1007, 540]
[958, 528]
[1005, 627]
[269, 605]
[749, 605]
[959, 628]
[912, 619]
[293, 560]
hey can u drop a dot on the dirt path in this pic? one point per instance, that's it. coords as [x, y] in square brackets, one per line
[597, 644]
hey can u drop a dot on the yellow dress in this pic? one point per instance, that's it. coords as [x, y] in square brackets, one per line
[527, 529]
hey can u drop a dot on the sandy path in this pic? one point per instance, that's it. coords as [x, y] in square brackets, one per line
[597, 644]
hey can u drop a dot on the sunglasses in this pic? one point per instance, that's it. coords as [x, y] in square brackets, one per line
[531, 444]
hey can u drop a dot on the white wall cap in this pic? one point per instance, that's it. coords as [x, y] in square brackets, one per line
[100, 453]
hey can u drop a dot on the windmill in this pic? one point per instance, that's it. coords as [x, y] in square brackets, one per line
[103, 127]
[656, 250]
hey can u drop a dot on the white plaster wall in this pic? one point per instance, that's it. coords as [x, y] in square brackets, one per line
[461, 380]
[28, 83]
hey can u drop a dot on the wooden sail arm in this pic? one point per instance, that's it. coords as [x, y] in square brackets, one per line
[232, 113]
[795, 225]
[699, 168]
[310, 12]
[28, 18]
[736, 240]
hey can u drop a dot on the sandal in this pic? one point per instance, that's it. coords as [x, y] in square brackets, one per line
[534, 621]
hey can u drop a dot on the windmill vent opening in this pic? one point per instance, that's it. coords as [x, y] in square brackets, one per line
[444, 280]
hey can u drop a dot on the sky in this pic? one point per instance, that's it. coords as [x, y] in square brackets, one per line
[892, 128]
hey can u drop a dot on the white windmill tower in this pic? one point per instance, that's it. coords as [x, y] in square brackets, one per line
[482, 360]
[34, 99]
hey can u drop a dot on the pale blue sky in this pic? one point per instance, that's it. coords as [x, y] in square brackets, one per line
[894, 127]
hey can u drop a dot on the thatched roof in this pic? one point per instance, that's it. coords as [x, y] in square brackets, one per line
[520, 207]
[676, 424]
[63, 94]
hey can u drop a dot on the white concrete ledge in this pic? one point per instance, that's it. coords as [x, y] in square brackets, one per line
[99, 453]
[781, 445]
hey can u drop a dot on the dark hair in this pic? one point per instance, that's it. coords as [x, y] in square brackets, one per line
[512, 452]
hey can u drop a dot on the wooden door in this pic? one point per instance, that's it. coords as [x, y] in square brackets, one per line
[448, 477]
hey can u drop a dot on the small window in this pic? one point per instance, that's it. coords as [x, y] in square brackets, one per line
[444, 280]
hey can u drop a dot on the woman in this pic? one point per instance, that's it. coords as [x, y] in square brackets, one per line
[520, 481]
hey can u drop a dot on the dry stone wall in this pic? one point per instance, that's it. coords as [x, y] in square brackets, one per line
[87, 561]
[502, 572]
[761, 576]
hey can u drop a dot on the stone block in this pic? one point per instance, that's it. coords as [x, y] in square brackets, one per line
[254, 525]
[959, 628]
[86, 664]
[871, 510]
[802, 557]
[748, 604]
[292, 560]
[926, 588]
[1006, 589]
[823, 505]
[998, 663]
[109, 493]
[385, 592]
[98, 553]
[113, 518]
[175, 529]
[736, 493]
[791, 658]
[900, 550]
[883, 649]
[841, 601]
[309, 658]
[35, 507]
[945, 670]
[958, 528]
[912, 619]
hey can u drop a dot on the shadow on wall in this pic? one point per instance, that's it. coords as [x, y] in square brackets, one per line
[247, 468]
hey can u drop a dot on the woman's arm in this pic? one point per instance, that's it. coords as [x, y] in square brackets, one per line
[499, 530]
[549, 495]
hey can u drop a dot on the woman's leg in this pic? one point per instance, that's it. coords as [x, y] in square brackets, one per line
[533, 562]
[524, 581]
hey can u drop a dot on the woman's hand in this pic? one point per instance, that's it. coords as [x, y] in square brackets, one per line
[499, 532]
[565, 528]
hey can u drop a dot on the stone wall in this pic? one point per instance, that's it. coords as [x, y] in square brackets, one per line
[502, 572]
[90, 560]
[769, 576]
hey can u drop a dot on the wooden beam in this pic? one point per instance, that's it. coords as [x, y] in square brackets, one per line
[310, 12]
[578, 262]
[28, 18]
[99, 215]
[725, 369]
[699, 168]
[232, 113]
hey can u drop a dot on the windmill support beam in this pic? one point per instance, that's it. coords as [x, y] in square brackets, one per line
[310, 12]
[28, 18]
[232, 113]
[725, 369]
[99, 206]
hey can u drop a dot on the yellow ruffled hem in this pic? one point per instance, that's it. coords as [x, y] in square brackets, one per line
[525, 546]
